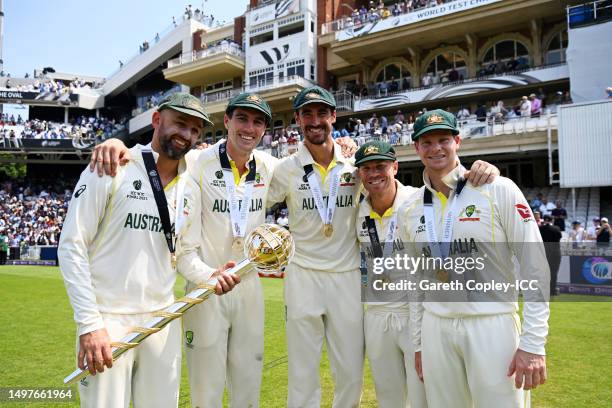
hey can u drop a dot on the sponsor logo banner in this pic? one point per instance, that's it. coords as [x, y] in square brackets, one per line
[273, 11]
[410, 18]
[59, 144]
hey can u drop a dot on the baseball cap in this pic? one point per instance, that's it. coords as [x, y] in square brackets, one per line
[374, 150]
[250, 101]
[604, 219]
[185, 103]
[432, 120]
[314, 94]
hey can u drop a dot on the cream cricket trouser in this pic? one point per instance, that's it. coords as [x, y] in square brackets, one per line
[391, 354]
[224, 342]
[149, 374]
[465, 361]
[324, 306]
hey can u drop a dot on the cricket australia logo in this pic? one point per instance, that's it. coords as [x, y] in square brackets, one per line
[219, 174]
[347, 179]
[258, 180]
[469, 211]
[189, 339]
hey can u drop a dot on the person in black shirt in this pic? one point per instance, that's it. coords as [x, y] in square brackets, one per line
[604, 231]
[551, 235]
[559, 214]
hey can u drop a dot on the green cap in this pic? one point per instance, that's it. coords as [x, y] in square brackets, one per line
[374, 150]
[314, 94]
[185, 103]
[251, 101]
[435, 119]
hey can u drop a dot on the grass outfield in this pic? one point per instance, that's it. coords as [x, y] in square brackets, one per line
[37, 344]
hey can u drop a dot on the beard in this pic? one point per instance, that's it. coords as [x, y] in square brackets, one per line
[171, 151]
[316, 140]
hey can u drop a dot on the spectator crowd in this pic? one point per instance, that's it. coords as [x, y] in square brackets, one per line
[31, 214]
[281, 142]
[47, 87]
[379, 11]
[531, 106]
[82, 127]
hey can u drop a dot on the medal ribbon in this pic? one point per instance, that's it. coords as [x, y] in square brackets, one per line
[160, 199]
[440, 249]
[389, 237]
[326, 212]
[238, 214]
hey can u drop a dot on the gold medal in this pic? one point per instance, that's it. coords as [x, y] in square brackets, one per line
[173, 261]
[442, 275]
[328, 230]
[238, 244]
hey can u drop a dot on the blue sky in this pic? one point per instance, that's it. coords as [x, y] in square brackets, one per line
[90, 37]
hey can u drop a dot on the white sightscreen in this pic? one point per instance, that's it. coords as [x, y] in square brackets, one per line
[589, 56]
[585, 144]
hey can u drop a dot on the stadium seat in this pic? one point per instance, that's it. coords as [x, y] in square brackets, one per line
[498, 129]
[530, 125]
[542, 124]
[554, 122]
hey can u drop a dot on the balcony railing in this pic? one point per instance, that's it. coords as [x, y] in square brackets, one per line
[374, 92]
[590, 13]
[220, 95]
[472, 128]
[355, 21]
[231, 48]
[277, 81]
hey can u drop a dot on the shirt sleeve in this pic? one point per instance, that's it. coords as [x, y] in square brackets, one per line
[279, 185]
[85, 213]
[189, 262]
[524, 238]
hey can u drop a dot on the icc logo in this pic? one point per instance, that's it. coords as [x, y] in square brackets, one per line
[597, 270]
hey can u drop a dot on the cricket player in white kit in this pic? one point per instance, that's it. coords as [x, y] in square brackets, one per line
[387, 322]
[388, 344]
[322, 283]
[224, 337]
[468, 352]
[118, 262]
[227, 350]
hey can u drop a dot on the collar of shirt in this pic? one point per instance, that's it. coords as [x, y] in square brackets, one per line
[366, 207]
[451, 180]
[237, 177]
[305, 158]
[303, 154]
[182, 167]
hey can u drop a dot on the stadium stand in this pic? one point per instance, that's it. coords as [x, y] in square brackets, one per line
[31, 214]
[80, 128]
